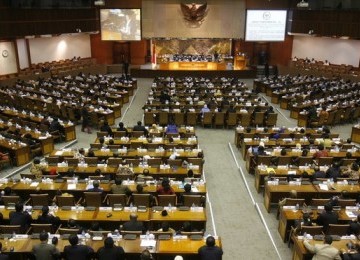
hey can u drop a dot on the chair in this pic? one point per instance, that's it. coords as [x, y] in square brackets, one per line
[137, 134]
[96, 146]
[141, 200]
[312, 230]
[271, 119]
[198, 233]
[119, 134]
[179, 119]
[284, 160]
[197, 200]
[149, 118]
[161, 233]
[176, 162]
[101, 134]
[346, 202]
[10, 200]
[93, 199]
[39, 199]
[231, 119]
[10, 229]
[38, 228]
[27, 176]
[126, 232]
[99, 233]
[165, 200]
[134, 162]
[245, 120]
[336, 229]
[318, 202]
[5, 162]
[52, 160]
[196, 161]
[259, 118]
[72, 161]
[322, 161]
[191, 118]
[114, 162]
[68, 231]
[207, 119]
[154, 162]
[163, 118]
[112, 199]
[305, 160]
[65, 200]
[219, 119]
[91, 161]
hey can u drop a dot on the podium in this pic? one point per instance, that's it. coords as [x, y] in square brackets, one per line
[240, 62]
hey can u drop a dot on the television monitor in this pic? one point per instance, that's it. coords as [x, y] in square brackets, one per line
[120, 24]
[265, 25]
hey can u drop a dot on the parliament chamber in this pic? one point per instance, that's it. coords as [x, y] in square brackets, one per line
[193, 127]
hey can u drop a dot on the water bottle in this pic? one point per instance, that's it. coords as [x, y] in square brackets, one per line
[147, 235]
[297, 206]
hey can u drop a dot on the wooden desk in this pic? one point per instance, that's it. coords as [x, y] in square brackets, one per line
[273, 193]
[288, 217]
[352, 190]
[19, 152]
[301, 253]
[195, 65]
[355, 134]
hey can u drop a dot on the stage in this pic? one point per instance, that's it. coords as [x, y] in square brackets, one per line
[148, 71]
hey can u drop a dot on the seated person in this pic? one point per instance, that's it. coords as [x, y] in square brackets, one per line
[352, 171]
[109, 251]
[318, 173]
[322, 152]
[140, 127]
[20, 217]
[106, 128]
[354, 227]
[4, 157]
[122, 128]
[56, 126]
[133, 224]
[165, 188]
[328, 216]
[119, 188]
[172, 128]
[210, 250]
[96, 187]
[36, 168]
[165, 227]
[46, 218]
[334, 171]
[76, 251]
[144, 176]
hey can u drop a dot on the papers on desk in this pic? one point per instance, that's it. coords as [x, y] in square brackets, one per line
[289, 207]
[127, 182]
[77, 208]
[194, 189]
[323, 186]
[34, 184]
[2, 206]
[291, 172]
[308, 236]
[270, 170]
[297, 183]
[196, 209]
[148, 242]
[58, 153]
[350, 214]
[71, 186]
[348, 237]
[4, 180]
[22, 236]
[105, 208]
[130, 209]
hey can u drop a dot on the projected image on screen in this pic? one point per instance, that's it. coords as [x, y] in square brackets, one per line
[265, 25]
[120, 24]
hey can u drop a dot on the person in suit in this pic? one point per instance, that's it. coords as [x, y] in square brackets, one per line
[354, 227]
[140, 127]
[3, 256]
[121, 127]
[119, 188]
[86, 120]
[146, 255]
[20, 217]
[76, 251]
[133, 224]
[45, 251]
[46, 218]
[210, 251]
[110, 252]
[323, 251]
[328, 216]
[56, 126]
[96, 187]
[106, 128]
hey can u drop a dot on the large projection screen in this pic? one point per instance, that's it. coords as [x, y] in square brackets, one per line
[265, 25]
[120, 24]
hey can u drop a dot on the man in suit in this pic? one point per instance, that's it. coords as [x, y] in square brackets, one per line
[140, 127]
[118, 188]
[45, 251]
[96, 187]
[46, 218]
[328, 216]
[110, 252]
[210, 251]
[133, 224]
[323, 251]
[75, 251]
[19, 217]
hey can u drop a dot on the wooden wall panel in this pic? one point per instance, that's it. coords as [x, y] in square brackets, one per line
[138, 52]
[102, 51]
[280, 52]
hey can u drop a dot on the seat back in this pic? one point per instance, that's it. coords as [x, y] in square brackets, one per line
[10, 200]
[294, 202]
[154, 162]
[163, 118]
[68, 231]
[91, 161]
[271, 119]
[141, 200]
[336, 229]
[245, 119]
[52, 160]
[101, 134]
[348, 202]
[165, 200]
[38, 228]
[322, 161]
[207, 119]
[39, 199]
[72, 161]
[116, 199]
[319, 202]
[179, 118]
[65, 200]
[191, 118]
[27, 176]
[149, 118]
[137, 134]
[119, 134]
[197, 200]
[312, 230]
[231, 119]
[10, 229]
[93, 199]
[219, 119]
[114, 161]
[259, 118]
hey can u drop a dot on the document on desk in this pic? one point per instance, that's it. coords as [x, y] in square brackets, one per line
[350, 214]
[148, 243]
[323, 186]
[59, 153]
[71, 186]
[34, 184]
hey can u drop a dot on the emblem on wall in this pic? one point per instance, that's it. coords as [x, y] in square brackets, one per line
[193, 13]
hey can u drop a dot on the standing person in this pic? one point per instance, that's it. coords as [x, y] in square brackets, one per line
[45, 251]
[323, 251]
[210, 251]
[86, 120]
[110, 252]
[76, 251]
